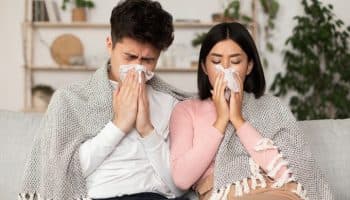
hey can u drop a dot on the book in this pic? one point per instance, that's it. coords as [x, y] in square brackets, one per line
[56, 10]
[52, 11]
[44, 16]
[35, 11]
[39, 11]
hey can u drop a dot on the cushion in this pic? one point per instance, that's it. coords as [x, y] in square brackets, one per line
[328, 141]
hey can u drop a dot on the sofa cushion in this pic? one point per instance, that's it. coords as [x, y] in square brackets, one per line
[16, 137]
[329, 142]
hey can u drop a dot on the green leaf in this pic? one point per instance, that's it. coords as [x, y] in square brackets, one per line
[232, 10]
[269, 46]
[246, 19]
[265, 62]
[79, 4]
[64, 4]
[274, 9]
[198, 39]
[264, 5]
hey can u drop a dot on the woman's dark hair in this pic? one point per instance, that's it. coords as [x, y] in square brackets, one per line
[255, 81]
[142, 20]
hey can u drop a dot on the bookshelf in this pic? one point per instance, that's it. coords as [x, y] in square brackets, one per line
[101, 25]
[31, 28]
[92, 69]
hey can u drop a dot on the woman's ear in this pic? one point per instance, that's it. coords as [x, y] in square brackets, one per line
[109, 44]
[250, 67]
[204, 68]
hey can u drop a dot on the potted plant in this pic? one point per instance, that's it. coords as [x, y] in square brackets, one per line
[231, 13]
[79, 11]
[317, 61]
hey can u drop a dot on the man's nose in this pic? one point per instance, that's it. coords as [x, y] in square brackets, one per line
[139, 61]
[136, 61]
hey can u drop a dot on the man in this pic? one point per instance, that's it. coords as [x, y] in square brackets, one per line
[107, 138]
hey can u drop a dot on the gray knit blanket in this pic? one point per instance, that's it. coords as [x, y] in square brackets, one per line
[75, 114]
[274, 121]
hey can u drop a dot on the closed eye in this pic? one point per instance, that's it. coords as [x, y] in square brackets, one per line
[130, 56]
[148, 60]
[236, 62]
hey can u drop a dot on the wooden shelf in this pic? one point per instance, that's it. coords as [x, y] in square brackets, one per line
[30, 32]
[91, 69]
[102, 25]
[61, 68]
[163, 69]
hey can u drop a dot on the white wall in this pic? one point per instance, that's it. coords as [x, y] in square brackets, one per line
[11, 58]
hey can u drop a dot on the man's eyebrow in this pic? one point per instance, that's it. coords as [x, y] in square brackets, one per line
[130, 54]
[148, 58]
[136, 56]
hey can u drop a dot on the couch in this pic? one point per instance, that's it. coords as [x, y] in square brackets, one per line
[329, 141]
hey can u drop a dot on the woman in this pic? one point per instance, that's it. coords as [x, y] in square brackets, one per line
[239, 143]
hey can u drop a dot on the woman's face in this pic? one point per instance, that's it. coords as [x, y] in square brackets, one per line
[228, 54]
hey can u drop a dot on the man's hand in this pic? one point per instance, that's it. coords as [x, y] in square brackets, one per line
[143, 122]
[125, 102]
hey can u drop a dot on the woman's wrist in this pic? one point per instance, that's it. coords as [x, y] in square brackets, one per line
[220, 124]
[238, 122]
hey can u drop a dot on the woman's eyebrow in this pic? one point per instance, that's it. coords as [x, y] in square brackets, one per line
[231, 55]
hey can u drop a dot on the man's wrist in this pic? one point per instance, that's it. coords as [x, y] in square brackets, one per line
[120, 126]
[144, 132]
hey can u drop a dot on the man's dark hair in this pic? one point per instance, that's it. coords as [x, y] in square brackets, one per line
[142, 20]
[255, 81]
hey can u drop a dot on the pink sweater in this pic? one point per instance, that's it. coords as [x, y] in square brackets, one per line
[194, 142]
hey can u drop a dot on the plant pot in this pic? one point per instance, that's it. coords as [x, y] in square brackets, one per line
[217, 17]
[79, 15]
[220, 17]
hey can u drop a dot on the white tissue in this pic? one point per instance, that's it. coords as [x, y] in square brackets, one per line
[123, 71]
[232, 84]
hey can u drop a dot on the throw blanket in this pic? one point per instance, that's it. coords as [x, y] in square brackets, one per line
[274, 121]
[74, 115]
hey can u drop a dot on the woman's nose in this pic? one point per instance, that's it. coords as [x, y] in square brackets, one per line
[225, 64]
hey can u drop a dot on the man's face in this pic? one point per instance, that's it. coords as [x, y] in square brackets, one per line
[130, 51]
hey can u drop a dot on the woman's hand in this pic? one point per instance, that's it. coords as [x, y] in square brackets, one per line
[221, 105]
[236, 99]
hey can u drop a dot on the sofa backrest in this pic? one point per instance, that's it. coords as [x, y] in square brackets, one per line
[329, 142]
[16, 139]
